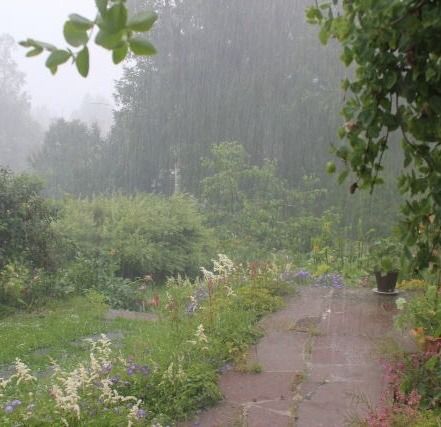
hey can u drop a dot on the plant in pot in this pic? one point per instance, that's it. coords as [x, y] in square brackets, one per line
[386, 260]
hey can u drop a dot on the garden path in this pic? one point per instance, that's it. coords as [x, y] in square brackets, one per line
[319, 355]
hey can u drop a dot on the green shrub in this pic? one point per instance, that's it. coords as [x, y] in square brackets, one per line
[145, 234]
[25, 221]
[424, 312]
[98, 274]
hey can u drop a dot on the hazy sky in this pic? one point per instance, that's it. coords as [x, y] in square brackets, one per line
[43, 20]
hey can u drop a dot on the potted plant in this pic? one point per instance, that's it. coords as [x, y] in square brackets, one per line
[386, 259]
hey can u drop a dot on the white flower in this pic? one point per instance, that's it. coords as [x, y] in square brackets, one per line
[224, 266]
[200, 334]
[400, 303]
[133, 414]
[22, 372]
[208, 275]
[230, 292]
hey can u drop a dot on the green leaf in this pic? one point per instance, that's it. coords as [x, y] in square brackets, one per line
[390, 79]
[80, 22]
[109, 40]
[57, 58]
[432, 363]
[142, 21]
[343, 175]
[324, 35]
[37, 44]
[82, 62]
[367, 116]
[119, 54]
[435, 103]
[34, 52]
[330, 168]
[347, 57]
[101, 6]
[74, 36]
[115, 19]
[141, 46]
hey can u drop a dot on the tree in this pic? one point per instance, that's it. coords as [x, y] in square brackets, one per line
[395, 49]
[117, 32]
[69, 158]
[223, 74]
[19, 133]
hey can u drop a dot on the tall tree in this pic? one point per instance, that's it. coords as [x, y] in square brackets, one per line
[69, 158]
[223, 73]
[19, 133]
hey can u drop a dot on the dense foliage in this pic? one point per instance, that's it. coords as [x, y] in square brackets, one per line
[396, 85]
[25, 218]
[143, 234]
[255, 211]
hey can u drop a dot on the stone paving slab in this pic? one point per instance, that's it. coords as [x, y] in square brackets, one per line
[318, 354]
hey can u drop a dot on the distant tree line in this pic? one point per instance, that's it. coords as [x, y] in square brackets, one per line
[250, 71]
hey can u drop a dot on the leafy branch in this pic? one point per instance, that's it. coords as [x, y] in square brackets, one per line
[116, 31]
[393, 46]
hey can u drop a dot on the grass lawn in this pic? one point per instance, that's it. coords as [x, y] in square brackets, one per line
[54, 331]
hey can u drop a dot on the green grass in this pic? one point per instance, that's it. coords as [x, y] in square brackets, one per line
[52, 331]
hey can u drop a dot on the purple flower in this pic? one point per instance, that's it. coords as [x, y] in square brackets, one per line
[141, 414]
[330, 281]
[115, 380]
[134, 368]
[106, 368]
[144, 370]
[302, 274]
[9, 408]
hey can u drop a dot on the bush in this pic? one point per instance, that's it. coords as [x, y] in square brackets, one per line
[144, 234]
[98, 274]
[25, 221]
[423, 313]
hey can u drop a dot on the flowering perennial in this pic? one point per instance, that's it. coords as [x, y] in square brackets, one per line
[89, 381]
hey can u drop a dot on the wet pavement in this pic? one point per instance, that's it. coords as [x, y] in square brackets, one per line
[319, 356]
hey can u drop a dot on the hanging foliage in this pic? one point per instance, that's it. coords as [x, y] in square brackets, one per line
[395, 49]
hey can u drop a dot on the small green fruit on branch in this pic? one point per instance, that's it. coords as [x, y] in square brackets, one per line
[117, 32]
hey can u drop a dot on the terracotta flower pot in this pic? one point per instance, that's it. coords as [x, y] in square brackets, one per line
[387, 282]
